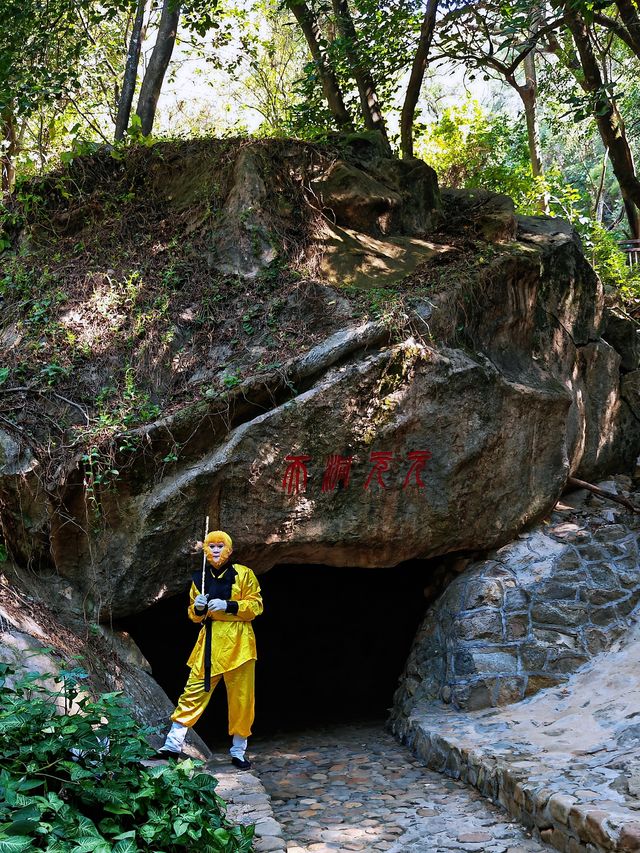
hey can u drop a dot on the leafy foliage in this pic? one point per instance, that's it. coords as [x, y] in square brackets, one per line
[611, 264]
[470, 147]
[73, 782]
[40, 47]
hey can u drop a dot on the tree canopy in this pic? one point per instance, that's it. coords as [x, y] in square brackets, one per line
[76, 74]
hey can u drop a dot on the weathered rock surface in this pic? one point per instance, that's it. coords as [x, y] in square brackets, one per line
[244, 245]
[623, 335]
[494, 215]
[514, 379]
[529, 615]
[456, 422]
[396, 197]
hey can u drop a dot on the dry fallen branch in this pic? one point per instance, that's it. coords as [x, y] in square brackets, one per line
[603, 493]
[82, 410]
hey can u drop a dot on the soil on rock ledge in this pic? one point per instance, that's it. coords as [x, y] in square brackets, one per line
[179, 322]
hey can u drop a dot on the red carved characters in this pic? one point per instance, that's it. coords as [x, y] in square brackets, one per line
[337, 471]
[419, 459]
[295, 470]
[381, 460]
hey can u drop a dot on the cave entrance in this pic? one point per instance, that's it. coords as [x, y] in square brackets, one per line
[332, 643]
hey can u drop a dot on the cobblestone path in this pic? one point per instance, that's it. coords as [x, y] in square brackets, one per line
[356, 788]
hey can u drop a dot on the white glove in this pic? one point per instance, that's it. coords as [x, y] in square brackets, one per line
[200, 602]
[217, 604]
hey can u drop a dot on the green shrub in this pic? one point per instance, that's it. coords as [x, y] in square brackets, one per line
[98, 799]
[611, 263]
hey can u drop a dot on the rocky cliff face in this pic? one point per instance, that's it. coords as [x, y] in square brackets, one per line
[444, 420]
[35, 638]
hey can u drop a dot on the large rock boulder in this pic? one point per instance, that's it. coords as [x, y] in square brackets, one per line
[244, 244]
[622, 332]
[448, 424]
[396, 197]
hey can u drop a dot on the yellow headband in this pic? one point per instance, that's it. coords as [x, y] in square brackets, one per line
[218, 536]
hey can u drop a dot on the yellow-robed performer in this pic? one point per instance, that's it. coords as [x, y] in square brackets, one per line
[226, 647]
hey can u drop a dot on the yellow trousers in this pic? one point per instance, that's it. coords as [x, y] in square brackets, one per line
[240, 684]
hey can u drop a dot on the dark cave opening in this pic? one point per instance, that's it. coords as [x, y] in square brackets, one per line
[332, 643]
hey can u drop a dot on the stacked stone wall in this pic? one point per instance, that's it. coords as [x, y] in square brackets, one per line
[526, 618]
[563, 820]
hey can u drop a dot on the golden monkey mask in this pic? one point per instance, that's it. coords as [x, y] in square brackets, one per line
[212, 538]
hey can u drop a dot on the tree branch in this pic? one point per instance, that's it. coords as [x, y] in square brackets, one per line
[603, 493]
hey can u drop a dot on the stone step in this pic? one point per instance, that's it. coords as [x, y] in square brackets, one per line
[248, 802]
[572, 820]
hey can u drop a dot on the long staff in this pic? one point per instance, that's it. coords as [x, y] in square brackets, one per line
[204, 553]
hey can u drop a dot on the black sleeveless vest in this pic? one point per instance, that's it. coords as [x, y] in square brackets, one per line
[215, 588]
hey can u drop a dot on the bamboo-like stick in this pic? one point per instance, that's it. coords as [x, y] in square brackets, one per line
[204, 553]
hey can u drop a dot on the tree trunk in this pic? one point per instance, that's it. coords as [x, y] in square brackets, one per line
[598, 207]
[631, 20]
[130, 71]
[158, 64]
[9, 151]
[633, 214]
[371, 111]
[529, 95]
[608, 120]
[414, 85]
[330, 87]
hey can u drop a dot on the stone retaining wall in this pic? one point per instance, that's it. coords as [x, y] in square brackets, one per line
[560, 819]
[525, 618]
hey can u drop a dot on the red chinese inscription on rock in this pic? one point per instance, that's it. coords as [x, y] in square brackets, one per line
[419, 459]
[338, 468]
[295, 477]
[381, 460]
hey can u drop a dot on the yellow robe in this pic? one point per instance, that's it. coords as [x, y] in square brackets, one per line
[232, 639]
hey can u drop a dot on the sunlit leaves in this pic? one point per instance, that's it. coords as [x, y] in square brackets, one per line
[74, 782]
[41, 45]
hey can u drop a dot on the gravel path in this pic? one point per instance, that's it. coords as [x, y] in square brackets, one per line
[355, 788]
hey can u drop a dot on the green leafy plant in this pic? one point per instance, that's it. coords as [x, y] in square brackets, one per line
[98, 471]
[137, 406]
[73, 781]
[135, 134]
[52, 372]
[232, 380]
[172, 455]
[171, 279]
[610, 262]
